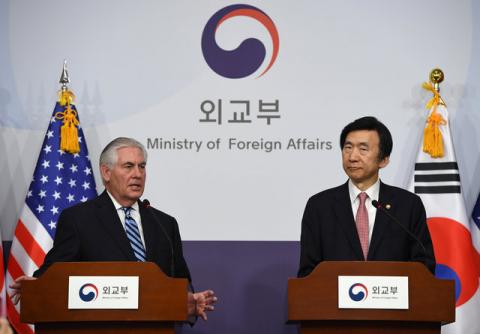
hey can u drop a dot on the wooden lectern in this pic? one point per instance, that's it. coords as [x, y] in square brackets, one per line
[313, 301]
[162, 301]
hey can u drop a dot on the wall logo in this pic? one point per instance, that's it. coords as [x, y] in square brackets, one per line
[249, 56]
[361, 292]
[88, 292]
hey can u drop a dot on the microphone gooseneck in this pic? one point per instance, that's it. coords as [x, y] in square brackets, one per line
[379, 206]
[146, 205]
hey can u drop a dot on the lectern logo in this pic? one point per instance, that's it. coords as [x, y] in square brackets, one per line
[358, 292]
[88, 292]
[249, 55]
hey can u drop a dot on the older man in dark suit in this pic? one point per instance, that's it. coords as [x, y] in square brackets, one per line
[341, 224]
[117, 226]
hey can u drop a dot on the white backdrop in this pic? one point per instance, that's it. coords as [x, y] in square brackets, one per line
[138, 70]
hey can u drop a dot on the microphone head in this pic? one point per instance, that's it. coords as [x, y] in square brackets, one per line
[376, 204]
[146, 203]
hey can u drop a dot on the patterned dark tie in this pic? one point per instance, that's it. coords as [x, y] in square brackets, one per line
[133, 235]
[362, 223]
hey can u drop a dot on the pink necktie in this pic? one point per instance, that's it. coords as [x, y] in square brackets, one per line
[362, 223]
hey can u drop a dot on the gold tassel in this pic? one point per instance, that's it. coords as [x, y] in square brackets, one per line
[432, 136]
[69, 130]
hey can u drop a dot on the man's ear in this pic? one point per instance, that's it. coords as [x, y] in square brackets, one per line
[384, 162]
[105, 171]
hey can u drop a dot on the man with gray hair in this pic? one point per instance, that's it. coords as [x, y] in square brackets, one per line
[117, 226]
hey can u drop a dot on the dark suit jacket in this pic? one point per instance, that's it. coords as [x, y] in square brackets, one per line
[329, 232]
[92, 231]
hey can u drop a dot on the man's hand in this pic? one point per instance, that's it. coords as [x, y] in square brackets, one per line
[201, 302]
[17, 288]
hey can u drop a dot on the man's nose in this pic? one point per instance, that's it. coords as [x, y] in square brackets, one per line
[353, 154]
[137, 171]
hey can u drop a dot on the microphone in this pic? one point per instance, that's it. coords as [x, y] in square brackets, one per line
[146, 205]
[379, 206]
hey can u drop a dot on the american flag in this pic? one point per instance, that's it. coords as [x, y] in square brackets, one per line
[60, 180]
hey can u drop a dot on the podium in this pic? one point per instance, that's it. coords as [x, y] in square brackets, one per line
[162, 301]
[313, 301]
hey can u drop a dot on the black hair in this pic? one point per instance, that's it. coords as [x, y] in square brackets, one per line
[372, 124]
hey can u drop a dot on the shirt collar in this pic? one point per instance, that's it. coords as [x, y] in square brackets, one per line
[118, 206]
[373, 191]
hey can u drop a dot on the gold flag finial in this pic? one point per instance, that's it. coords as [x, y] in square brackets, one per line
[436, 77]
[64, 78]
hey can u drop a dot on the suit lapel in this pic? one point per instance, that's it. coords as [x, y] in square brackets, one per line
[381, 220]
[108, 217]
[343, 211]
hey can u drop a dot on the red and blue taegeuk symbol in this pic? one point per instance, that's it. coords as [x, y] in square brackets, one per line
[249, 55]
[457, 259]
[358, 292]
[88, 292]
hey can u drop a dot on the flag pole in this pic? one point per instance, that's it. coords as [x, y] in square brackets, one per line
[62, 177]
[69, 135]
[436, 78]
[432, 135]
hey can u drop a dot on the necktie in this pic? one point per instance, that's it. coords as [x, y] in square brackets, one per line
[133, 234]
[361, 221]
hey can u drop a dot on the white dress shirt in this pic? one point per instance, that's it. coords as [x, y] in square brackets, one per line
[134, 213]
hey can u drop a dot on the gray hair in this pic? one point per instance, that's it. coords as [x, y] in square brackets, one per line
[109, 156]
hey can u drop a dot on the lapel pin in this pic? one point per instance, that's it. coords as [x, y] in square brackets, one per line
[388, 206]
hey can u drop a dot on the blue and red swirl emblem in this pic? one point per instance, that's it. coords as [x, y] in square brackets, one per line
[249, 55]
[457, 259]
[88, 292]
[358, 292]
